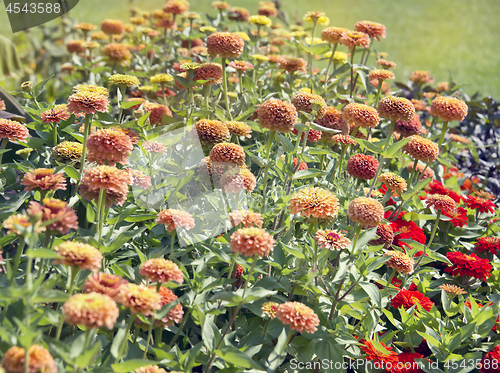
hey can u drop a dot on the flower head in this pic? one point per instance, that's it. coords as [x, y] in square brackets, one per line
[174, 316]
[332, 35]
[481, 204]
[236, 179]
[157, 111]
[366, 211]
[393, 181]
[151, 369]
[353, 39]
[55, 115]
[400, 261]
[239, 14]
[333, 119]
[112, 27]
[21, 220]
[293, 64]
[306, 102]
[221, 5]
[161, 270]
[139, 299]
[441, 202]
[317, 17]
[93, 310]
[385, 234]
[225, 44]
[442, 87]
[361, 115]
[125, 80]
[85, 27]
[449, 108]
[312, 135]
[109, 145]
[161, 78]
[298, 316]
[104, 283]
[421, 149]
[413, 127]
[315, 202]
[489, 362]
[228, 152]
[252, 241]
[88, 102]
[44, 179]
[40, 360]
[331, 239]
[491, 244]
[176, 6]
[13, 131]
[239, 128]
[79, 255]
[373, 29]
[362, 166]
[270, 309]
[110, 178]
[64, 217]
[387, 358]
[407, 230]
[419, 169]
[117, 53]
[277, 115]
[212, 131]
[174, 219]
[468, 265]
[421, 77]
[246, 217]
[408, 298]
[260, 20]
[381, 75]
[386, 64]
[452, 289]
[394, 108]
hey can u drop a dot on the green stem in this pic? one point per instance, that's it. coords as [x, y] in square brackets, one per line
[443, 133]
[172, 240]
[148, 340]
[375, 179]
[330, 62]
[288, 340]
[180, 328]
[412, 174]
[315, 245]
[272, 134]
[356, 236]
[100, 213]
[3, 145]
[377, 98]
[352, 70]
[433, 233]
[54, 133]
[224, 82]
[339, 165]
[17, 259]
[86, 133]
[390, 279]
[311, 56]
[125, 338]
[73, 272]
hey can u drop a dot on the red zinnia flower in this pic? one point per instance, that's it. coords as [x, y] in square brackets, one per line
[490, 361]
[468, 265]
[379, 357]
[481, 204]
[488, 244]
[407, 364]
[435, 187]
[458, 217]
[408, 298]
[407, 230]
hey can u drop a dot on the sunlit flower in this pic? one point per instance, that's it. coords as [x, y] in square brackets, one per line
[175, 315]
[117, 53]
[176, 6]
[103, 283]
[157, 111]
[312, 135]
[353, 39]
[225, 44]
[277, 115]
[40, 360]
[419, 104]
[246, 217]
[400, 261]
[489, 362]
[79, 254]
[44, 179]
[408, 298]
[441, 202]
[88, 102]
[260, 20]
[161, 78]
[270, 309]
[361, 115]
[252, 241]
[409, 128]
[109, 145]
[386, 64]
[381, 75]
[366, 211]
[442, 87]
[407, 230]
[480, 204]
[387, 358]
[239, 14]
[315, 202]
[298, 316]
[109, 178]
[491, 244]
[236, 179]
[228, 152]
[421, 149]
[393, 181]
[112, 27]
[21, 220]
[421, 77]
[139, 299]
[212, 131]
[319, 17]
[12, 130]
[92, 310]
[267, 8]
[239, 128]
[174, 219]
[332, 35]
[292, 64]
[209, 71]
[125, 80]
[55, 115]
[140, 179]
[458, 217]
[449, 108]
[468, 265]
[331, 239]
[394, 108]
[85, 27]
[307, 102]
[221, 5]
[373, 29]
[75, 46]
[161, 270]
[154, 147]
[62, 216]
[362, 166]
[452, 289]
[385, 234]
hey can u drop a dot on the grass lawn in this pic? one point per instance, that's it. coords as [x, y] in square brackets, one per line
[447, 37]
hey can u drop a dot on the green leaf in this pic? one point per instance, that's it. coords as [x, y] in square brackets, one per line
[373, 292]
[319, 49]
[72, 172]
[42, 253]
[373, 147]
[287, 144]
[308, 174]
[128, 104]
[39, 87]
[87, 357]
[392, 150]
[131, 365]
[236, 357]
[121, 240]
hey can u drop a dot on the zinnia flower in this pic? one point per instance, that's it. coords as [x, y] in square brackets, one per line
[125, 80]
[109, 178]
[212, 131]
[252, 241]
[482, 205]
[104, 283]
[490, 361]
[267, 8]
[452, 289]
[413, 127]
[373, 29]
[361, 115]
[393, 181]
[236, 179]
[174, 316]
[421, 149]
[139, 299]
[388, 358]
[449, 108]
[362, 166]
[407, 230]
[458, 217]
[331, 239]
[246, 217]
[277, 115]
[87, 102]
[13, 131]
[64, 217]
[343, 140]
[112, 27]
[55, 115]
[385, 234]
[22, 220]
[176, 6]
[290, 64]
[353, 39]
[381, 75]
[468, 265]
[174, 219]
[151, 369]
[239, 128]
[366, 211]
[140, 179]
[332, 35]
[315, 202]
[332, 118]
[117, 53]
[270, 309]
[400, 261]
[228, 152]
[394, 108]
[260, 20]
[157, 111]
[92, 310]
[420, 168]
[161, 270]
[75, 46]
[421, 77]
[440, 202]
[154, 147]
[306, 102]
[298, 316]
[209, 71]
[225, 44]
[408, 298]
[80, 255]
[491, 244]
[44, 179]
[407, 364]
[386, 64]
[40, 360]
[109, 145]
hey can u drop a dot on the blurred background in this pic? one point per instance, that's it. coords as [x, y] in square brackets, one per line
[453, 39]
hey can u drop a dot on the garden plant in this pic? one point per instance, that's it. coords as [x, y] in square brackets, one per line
[243, 192]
